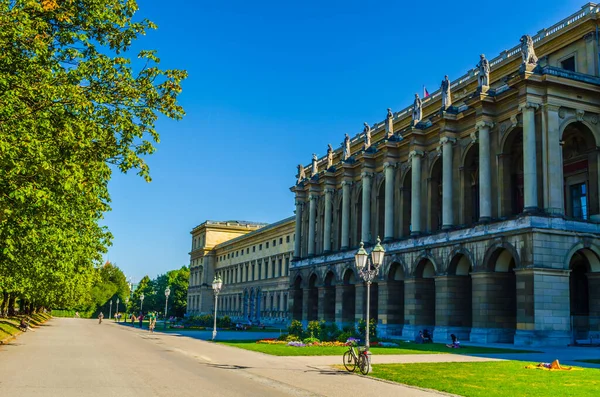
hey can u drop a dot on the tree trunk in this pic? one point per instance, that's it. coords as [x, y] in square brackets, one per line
[11, 305]
[4, 304]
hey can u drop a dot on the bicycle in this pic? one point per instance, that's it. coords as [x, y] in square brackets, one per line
[357, 357]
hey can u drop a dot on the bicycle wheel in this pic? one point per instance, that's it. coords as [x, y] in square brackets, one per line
[363, 364]
[349, 361]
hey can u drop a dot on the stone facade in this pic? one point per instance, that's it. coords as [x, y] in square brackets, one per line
[488, 208]
[253, 260]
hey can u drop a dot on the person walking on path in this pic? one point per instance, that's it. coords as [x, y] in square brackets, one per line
[152, 322]
[141, 320]
[100, 317]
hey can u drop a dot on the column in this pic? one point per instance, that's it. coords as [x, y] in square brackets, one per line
[312, 215]
[453, 311]
[321, 303]
[485, 171]
[328, 220]
[389, 201]
[360, 302]
[554, 202]
[366, 207]
[447, 213]
[345, 243]
[590, 50]
[529, 157]
[305, 307]
[297, 239]
[415, 207]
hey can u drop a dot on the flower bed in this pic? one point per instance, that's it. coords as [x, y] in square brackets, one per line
[299, 343]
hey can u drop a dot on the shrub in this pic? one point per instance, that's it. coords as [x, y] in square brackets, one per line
[296, 328]
[349, 328]
[362, 325]
[329, 332]
[224, 322]
[314, 328]
[310, 341]
[344, 336]
[292, 338]
[283, 337]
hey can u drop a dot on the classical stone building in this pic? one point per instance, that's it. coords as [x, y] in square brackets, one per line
[487, 203]
[252, 259]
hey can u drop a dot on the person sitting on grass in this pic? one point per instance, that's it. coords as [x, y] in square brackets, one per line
[427, 337]
[24, 325]
[419, 339]
[455, 343]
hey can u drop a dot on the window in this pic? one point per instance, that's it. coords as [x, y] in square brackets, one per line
[267, 244]
[274, 243]
[568, 64]
[579, 200]
[254, 249]
[280, 240]
[227, 256]
[237, 253]
[247, 250]
[260, 247]
[241, 252]
[287, 239]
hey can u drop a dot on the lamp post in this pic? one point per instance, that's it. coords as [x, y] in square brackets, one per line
[126, 308]
[216, 285]
[368, 269]
[142, 303]
[117, 312]
[110, 312]
[167, 293]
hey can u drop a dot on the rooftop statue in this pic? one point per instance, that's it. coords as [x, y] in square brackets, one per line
[446, 95]
[367, 132]
[315, 166]
[346, 147]
[329, 156]
[527, 51]
[483, 80]
[301, 174]
[417, 113]
[389, 123]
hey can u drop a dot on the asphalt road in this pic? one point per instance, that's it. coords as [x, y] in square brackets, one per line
[76, 357]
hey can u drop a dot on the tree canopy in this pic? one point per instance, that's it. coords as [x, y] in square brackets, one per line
[74, 106]
[154, 293]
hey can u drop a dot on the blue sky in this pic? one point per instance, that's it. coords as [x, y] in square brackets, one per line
[270, 83]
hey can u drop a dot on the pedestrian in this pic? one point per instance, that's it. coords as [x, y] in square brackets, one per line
[100, 317]
[141, 320]
[152, 322]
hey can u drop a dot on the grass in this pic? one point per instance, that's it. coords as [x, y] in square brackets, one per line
[9, 327]
[591, 361]
[405, 348]
[491, 379]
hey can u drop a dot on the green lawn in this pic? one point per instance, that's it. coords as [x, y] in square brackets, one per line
[591, 361]
[10, 326]
[406, 348]
[490, 379]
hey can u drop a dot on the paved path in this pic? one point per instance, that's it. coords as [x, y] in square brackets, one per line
[76, 357]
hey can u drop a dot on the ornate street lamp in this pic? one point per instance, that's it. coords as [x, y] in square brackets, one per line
[110, 312]
[167, 293]
[216, 285]
[117, 312]
[368, 269]
[142, 303]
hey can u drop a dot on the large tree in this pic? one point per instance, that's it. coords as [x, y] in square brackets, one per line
[73, 107]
